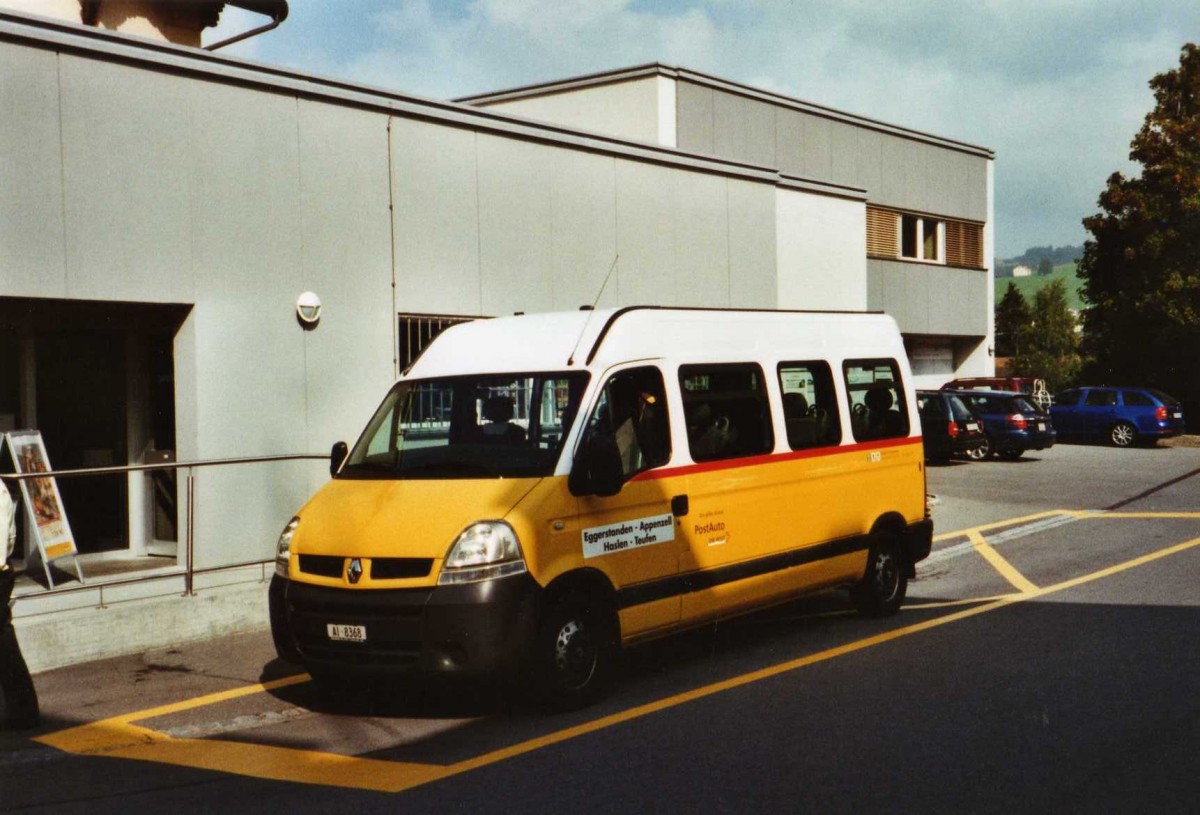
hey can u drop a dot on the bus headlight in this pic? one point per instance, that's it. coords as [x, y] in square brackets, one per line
[483, 551]
[283, 549]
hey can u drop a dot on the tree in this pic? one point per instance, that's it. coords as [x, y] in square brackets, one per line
[1013, 322]
[1052, 349]
[1141, 268]
[1045, 266]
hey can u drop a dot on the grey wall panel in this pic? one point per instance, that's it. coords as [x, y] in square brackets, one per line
[893, 189]
[818, 149]
[246, 230]
[646, 214]
[127, 134]
[701, 240]
[914, 173]
[434, 183]
[345, 232]
[694, 118]
[32, 245]
[789, 141]
[930, 299]
[918, 289]
[925, 178]
[970, 176]
[946, 301]
[250, 384]
[868, 160]
[515, 261]
[843, 156]
[743, 129]
[752, 245]
[893, 295]
[626, 109]
[583, 242]
[875, 293]
[973, 302]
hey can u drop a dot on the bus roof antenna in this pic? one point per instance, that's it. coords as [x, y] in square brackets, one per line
[592, 310]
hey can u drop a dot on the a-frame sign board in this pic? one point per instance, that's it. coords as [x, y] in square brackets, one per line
[42, 500]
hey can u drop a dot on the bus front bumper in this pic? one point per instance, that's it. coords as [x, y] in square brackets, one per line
[475, 629]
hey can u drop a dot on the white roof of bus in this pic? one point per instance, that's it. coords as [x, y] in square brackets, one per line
[547, 342]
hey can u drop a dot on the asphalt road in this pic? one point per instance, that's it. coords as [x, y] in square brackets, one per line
[1045, 661]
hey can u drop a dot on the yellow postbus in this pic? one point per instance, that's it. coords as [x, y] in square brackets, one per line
[538, 491]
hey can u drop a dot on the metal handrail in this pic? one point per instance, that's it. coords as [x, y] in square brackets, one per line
[189, 542]
[172, 465]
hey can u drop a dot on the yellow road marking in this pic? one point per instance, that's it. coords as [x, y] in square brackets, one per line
[1037, 516]
[118, 737]
[1001, 565]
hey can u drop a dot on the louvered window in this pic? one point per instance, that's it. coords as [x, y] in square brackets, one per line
[882, 233]
[893, 234]
[964, 244]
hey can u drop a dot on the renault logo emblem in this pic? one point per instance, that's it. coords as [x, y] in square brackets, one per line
[354, 571]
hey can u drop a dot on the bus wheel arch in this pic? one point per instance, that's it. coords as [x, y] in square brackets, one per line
[574, 654]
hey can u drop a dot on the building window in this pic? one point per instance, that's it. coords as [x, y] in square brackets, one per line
[418, 330]
[924, 238]
[920, 238]
[964, 244]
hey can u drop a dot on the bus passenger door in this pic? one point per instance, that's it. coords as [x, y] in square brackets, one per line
[632, 536]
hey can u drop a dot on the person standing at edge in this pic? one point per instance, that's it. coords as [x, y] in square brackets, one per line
[20, 697]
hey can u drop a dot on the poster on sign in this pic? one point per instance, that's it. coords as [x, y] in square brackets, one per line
[51, 530]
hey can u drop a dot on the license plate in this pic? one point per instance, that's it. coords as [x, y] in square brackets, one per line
[1176, 415]
[347, 633]
[1041, 425]
[972, 427]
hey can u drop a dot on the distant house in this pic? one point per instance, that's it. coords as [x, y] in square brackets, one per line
[1022, 271]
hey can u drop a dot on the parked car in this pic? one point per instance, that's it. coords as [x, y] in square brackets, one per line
[1011, 424]
[1123, 416]
[1033, 388]
[948, 426]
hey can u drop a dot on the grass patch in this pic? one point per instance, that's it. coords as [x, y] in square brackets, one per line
[1029, 286]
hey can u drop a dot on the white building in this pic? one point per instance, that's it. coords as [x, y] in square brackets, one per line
[165, 206]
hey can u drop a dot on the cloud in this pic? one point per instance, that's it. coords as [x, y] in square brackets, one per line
[1057, 87]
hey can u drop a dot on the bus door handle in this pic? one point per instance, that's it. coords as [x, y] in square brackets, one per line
[679, 506]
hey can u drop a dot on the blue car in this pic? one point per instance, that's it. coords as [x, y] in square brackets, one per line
[1123, 416]
[1011, 424]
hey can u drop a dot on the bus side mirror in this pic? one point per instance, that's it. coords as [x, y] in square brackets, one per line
[597, 469]
[337, 456]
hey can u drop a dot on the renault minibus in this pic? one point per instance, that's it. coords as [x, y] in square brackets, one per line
[538, 491]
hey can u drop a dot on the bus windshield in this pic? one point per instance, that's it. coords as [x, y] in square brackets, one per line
[481, 426]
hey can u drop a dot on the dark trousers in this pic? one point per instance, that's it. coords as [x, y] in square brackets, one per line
[20, 697]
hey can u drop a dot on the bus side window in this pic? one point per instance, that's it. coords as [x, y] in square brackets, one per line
[726, 409]
[878, 409]
[810, 411]
[633, 408]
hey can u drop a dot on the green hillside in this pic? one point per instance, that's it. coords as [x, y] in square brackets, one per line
[1028, 286]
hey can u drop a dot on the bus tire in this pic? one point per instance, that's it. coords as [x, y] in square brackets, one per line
[575, 651]
[882, 588]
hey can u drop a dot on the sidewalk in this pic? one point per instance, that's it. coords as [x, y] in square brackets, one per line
[97, 620]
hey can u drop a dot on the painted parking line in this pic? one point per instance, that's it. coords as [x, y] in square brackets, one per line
[1006, 570]
[121, 737]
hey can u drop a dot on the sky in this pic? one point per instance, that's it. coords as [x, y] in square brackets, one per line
[1057, 88]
